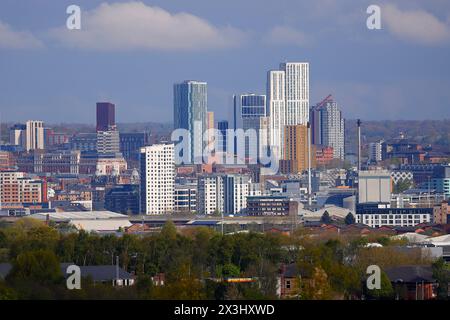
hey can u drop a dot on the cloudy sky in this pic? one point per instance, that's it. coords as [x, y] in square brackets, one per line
[131, 53]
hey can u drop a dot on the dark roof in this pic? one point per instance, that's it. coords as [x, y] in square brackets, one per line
[99, 273]
[292, 271]
[410, 274]
[5, 268]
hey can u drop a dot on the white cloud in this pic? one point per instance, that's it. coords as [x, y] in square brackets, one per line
[417, 26]
[284, 35]
[134, 25]
[12, 39]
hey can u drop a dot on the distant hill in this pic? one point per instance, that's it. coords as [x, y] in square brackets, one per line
[434, 132]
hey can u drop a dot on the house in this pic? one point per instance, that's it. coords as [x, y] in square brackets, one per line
[99, 274]
[103, 274]
[287, 281]
[412, 282]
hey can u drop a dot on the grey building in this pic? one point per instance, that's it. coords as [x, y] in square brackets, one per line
[190, 108]
[328, 126]
[248, 110]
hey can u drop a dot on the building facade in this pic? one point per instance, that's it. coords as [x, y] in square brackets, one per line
[296, 151]
[105, 116]
[374, 186]
[34, 135]
[17, 190]
[248, 109]
[287, 100]
[328, 127]
[157, 165]
[190, 113]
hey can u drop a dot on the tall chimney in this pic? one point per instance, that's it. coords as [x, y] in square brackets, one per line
[359, 145]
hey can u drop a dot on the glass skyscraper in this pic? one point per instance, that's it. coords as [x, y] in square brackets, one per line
[247, 113]
[189, 112]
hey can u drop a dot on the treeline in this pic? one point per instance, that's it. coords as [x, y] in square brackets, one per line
[434, 132]
[193, 263]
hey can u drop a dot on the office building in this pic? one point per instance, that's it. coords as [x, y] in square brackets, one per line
[17, 135]
[34, 135]
[185, 198]
[123, 199]
[190, 108]
[328, 127]
[440, 180]
[157, 164]
[235, 192]
[210, 194]
[108, 142]
[296, 151]
[131, 144]
[376, 215]
[84, 142]
[248, 109]
[17, 190]
[222, 126]
[105, 116]
[374, 186]
[271, 205]
[376, 151]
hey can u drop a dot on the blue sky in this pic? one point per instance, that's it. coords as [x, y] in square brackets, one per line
[131, 53]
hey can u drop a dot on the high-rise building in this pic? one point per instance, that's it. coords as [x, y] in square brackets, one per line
[276, 107]
[235, 191]
[190, 108]
[247, 113]
[288, 100]
[210, 194]
[108, 142]
[296, 150]
[210, 126]
[376, 151]
[105, 116]
[222, 126]
[157, 179]
[328, 127]
[34, 135]
[17, 135]
[297, 92]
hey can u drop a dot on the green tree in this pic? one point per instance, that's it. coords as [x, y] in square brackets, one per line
[41, 266]
[441, 273]
[230, 271]
[326, 218]
[386, 290]
[349, 219]
[169, 231]
[402, 185]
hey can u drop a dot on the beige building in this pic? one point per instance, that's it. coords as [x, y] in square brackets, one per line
[296, 150]
[34, 135]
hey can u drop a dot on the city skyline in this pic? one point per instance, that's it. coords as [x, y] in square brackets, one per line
[390, 73]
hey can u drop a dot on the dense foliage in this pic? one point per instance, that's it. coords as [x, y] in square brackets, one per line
[194, 262]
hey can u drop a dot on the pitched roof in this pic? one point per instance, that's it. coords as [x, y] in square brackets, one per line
[411, 274]
[100, 273]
